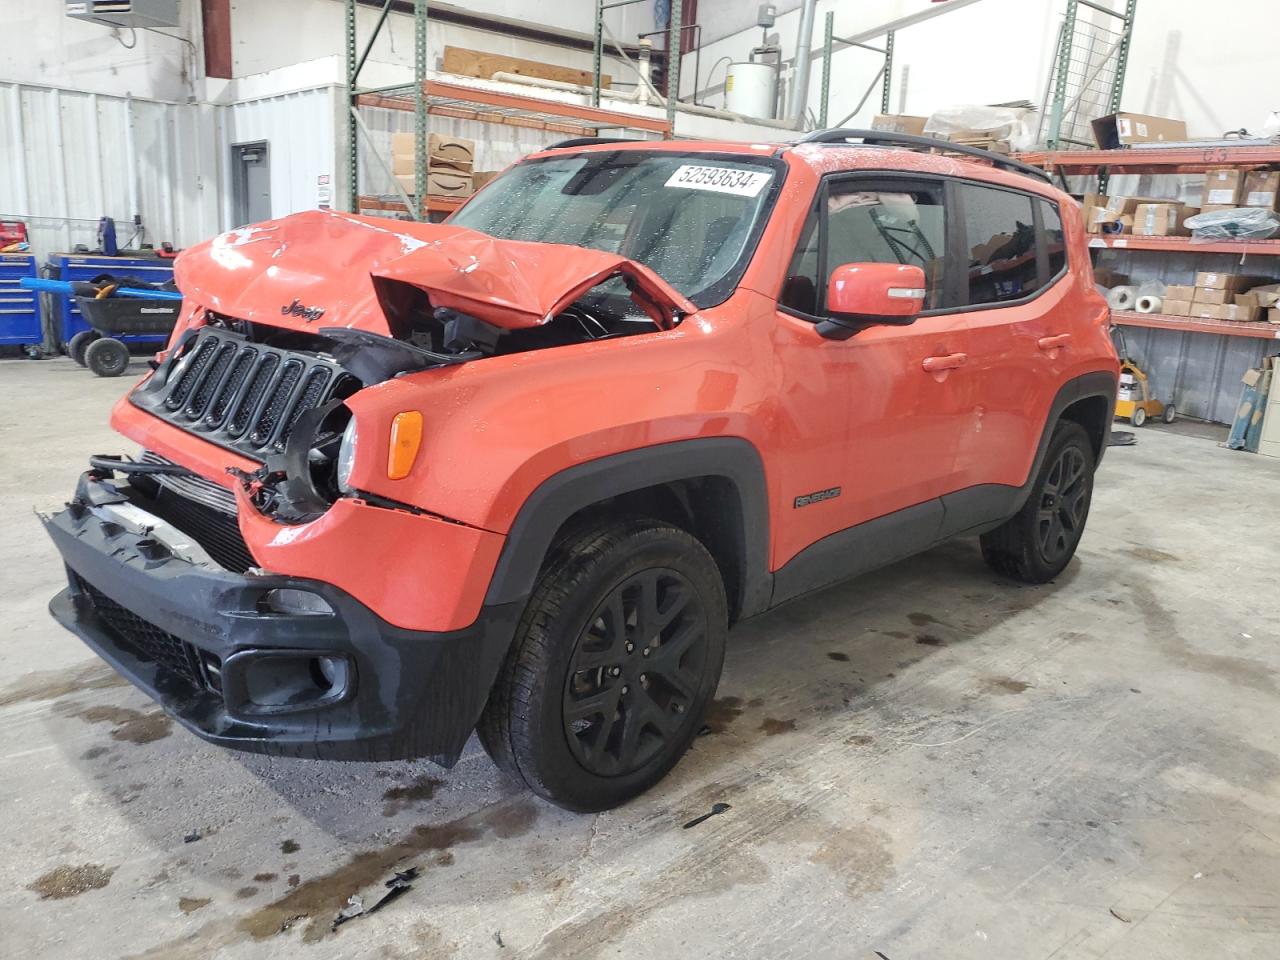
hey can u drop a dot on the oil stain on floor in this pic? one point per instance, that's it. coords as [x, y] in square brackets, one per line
[318, 900]
[68, 881]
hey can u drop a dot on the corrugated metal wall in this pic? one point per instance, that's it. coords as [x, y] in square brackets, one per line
[1200, 371]
[301, 130]
[69, 157]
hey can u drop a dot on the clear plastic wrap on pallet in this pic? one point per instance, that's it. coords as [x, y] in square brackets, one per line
[1001, 123]
[1152, 288]
[1244, 223]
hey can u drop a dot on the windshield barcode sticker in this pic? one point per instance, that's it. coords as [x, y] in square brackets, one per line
[742, 183]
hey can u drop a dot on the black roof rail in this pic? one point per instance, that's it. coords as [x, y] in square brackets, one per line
[883, 138]
[590, 141]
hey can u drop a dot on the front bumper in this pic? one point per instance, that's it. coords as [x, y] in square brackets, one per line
[199, 639]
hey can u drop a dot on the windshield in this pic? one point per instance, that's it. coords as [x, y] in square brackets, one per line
[692, 218]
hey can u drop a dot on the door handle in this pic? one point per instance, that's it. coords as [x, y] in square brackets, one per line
[949, 362]
[1053, 343]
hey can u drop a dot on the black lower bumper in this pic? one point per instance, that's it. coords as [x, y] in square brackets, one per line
[331, 681]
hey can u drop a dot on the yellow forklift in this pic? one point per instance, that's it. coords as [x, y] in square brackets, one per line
[1134, 401]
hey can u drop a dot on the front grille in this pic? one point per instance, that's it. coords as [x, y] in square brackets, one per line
[144, 639]
[216, 531]
[240, 394]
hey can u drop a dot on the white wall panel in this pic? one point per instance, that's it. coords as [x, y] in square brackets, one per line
[301, 131]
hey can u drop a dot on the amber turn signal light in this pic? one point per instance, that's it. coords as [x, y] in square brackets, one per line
[406, 437]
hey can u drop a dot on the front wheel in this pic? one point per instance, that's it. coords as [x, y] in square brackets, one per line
[1040, 540]
[615, 660]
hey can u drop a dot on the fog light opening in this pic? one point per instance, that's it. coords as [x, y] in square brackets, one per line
[278, 682]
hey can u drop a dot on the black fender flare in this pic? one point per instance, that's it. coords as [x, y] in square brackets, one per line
[563, 494]
[1099, 383]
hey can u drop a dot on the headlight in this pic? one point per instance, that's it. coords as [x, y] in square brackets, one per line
[347, 456]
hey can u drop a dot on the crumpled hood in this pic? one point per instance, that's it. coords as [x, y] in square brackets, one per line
[317, 268]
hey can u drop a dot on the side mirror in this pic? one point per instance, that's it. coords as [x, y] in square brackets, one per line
[868, 294]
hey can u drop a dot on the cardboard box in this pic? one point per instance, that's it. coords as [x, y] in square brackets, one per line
[1175, 308]
[1091, 204]
[1106, 277]
[1241, 314]
[1261, 187]
[899, 123]
[1159, 220]
[1222, 187]
[452, 152]
[481, 177]
[1265, 296]
[1205, 311]
[1214, 207]
[1120, 205]
[1273, 315]
[1236, 283]
[1205, 295]
[1122, 129]
[441, 184]
[1175, 292]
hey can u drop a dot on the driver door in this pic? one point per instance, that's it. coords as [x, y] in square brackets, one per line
[901, 391]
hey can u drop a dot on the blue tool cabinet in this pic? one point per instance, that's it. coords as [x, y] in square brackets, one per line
[86, 266]
[19, 308]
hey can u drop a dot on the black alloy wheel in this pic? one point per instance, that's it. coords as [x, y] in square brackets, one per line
[1064, 503]
[635, 672]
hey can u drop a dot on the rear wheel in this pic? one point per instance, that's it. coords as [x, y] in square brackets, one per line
[615, 660]
[1170, 414]
[77, 345]
[107, 357]
[1037, 543]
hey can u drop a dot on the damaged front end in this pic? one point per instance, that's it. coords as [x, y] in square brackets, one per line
[268, 380]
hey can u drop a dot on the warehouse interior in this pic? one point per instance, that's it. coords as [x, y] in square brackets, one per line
[279, 686]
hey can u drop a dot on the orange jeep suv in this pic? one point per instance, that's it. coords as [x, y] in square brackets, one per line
[519, 473]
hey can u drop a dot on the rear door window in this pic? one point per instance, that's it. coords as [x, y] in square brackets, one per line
[1005, 260]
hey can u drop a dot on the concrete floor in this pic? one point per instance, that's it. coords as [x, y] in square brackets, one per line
[927, 763]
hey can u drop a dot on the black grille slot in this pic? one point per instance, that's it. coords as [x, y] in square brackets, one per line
[235, 380]
[309, 397]
[199, 359]
[284, 387]
[253, 396]
[145, 639]
[243, 394]
[212, 379]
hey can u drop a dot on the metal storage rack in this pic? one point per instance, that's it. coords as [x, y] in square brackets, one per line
[424, 97]
[1171, 160]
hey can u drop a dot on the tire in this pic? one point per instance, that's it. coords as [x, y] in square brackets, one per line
[1036, 544]
[1138, 417]
[79, 343]
[581, 644]
[1170, 414]
[107, 357]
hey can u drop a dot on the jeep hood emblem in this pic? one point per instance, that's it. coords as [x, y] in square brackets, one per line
[296, 309]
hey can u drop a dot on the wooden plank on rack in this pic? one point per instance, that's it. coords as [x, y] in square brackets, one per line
[478, 63]
[1258, 248]
[1258, 329]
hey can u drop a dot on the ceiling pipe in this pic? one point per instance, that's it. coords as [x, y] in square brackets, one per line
[800, 76]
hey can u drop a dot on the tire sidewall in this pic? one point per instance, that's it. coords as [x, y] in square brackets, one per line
[555, 767]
